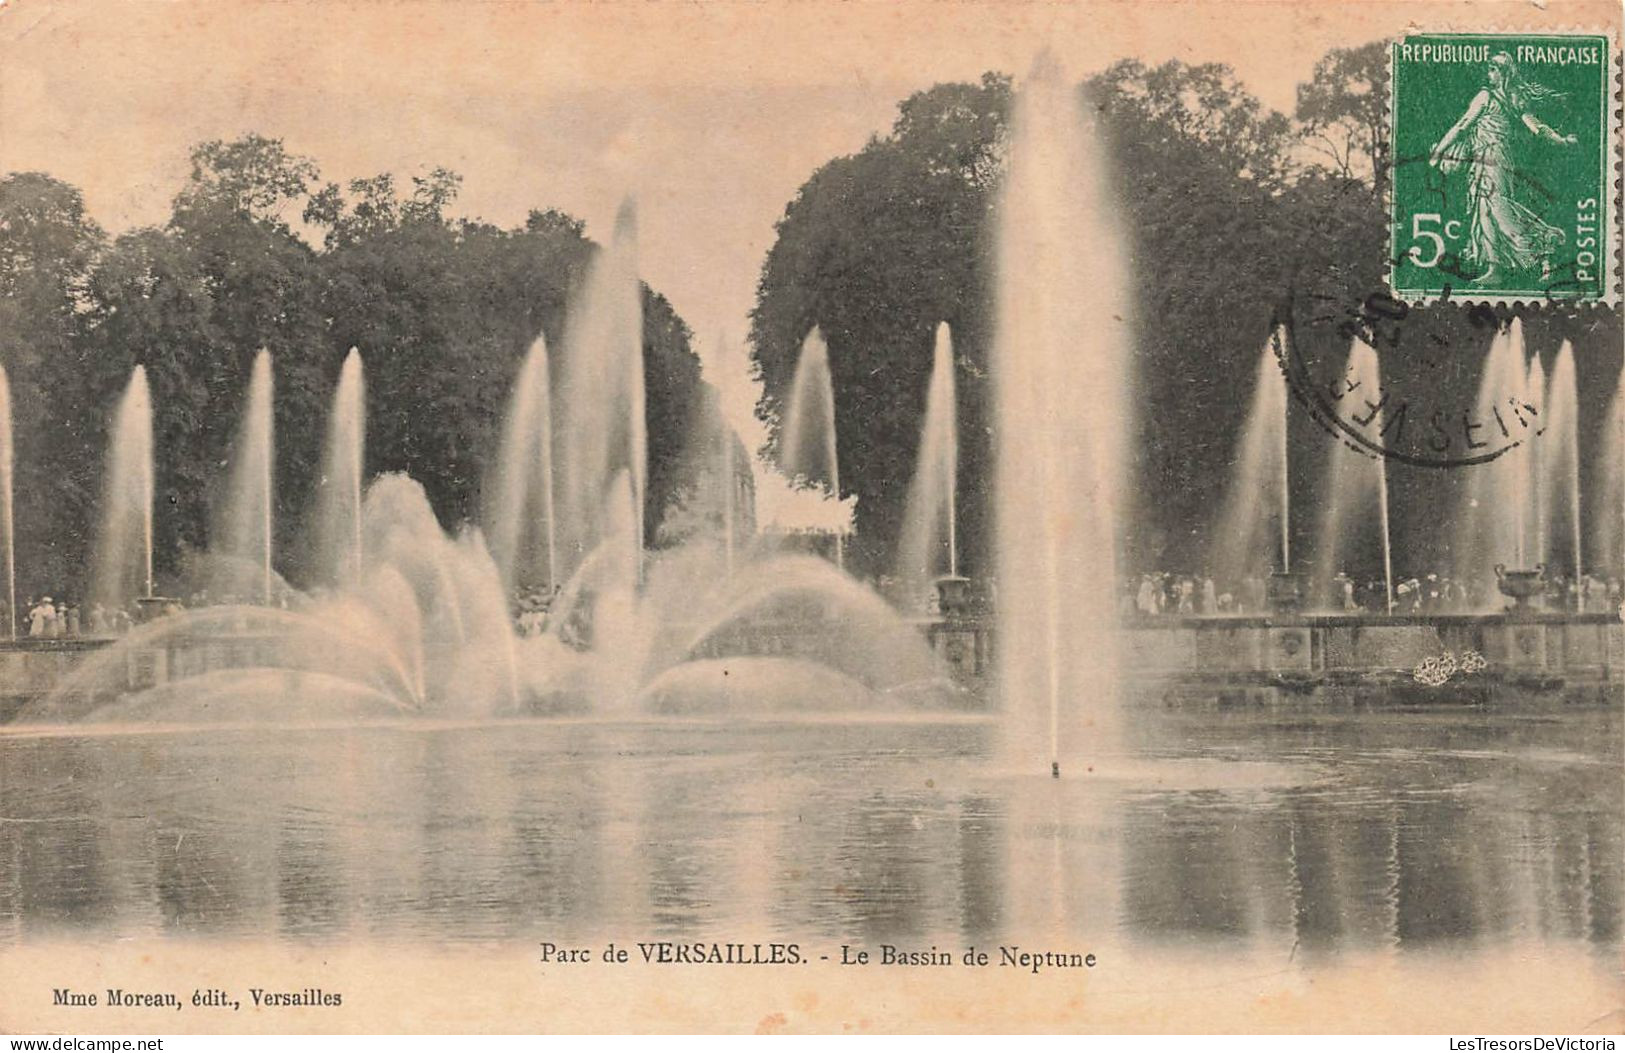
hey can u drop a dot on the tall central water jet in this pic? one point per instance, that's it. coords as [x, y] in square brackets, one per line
[1259, 491]
[520, 520]
[1060, 369]
[7, 489]
[247, 520]
[340, 511]
[124, 551]
[1357, 482]
[929, 545]
[808, 448]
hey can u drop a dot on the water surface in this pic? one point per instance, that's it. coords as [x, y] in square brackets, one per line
[1307, 832]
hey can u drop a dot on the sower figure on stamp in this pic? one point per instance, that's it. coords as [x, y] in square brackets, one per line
[1505, 234]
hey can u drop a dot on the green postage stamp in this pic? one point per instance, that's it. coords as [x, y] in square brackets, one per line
[1503, 168]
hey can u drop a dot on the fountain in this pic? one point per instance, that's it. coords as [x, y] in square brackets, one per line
[1492, 524]
[1558, 475]
[1061, 386]
[1534, 461]
[1259, 488]
[725, 484]
[423, 629]
[929, 546]
[339, 504]
[730, 514]
[1608, 520]
[520, 520]
[807, 444]
[600, 393]
[413, 621]
[1357, 481]
[7, 490]
[124, 549]
[1522, 586]
[637, 431]
[245, 522]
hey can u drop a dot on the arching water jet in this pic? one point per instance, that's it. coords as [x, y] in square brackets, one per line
[1536, 459]
[247, 519]
[930, 545]
[601, 397]
[1608, 519]
[1357, 485]
[1258, 491]
[520, 520]
[808, 450]
[340, 511]
[1560, 465]
[1492, 524]
[124, 550]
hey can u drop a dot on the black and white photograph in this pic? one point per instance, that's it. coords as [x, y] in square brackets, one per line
[811, 517]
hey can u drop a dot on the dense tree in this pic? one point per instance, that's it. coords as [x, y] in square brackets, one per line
[1178, 117]
[1237, 218]
[193, 302]
[48, 247]
[1342, 114]
[254, 177]
[876, 250]
[443, 313]
[441, 308]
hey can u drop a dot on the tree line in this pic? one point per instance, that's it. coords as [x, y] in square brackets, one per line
[259, 253]
[1239, 217]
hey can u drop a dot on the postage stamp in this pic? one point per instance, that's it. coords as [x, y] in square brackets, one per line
[1502, 187]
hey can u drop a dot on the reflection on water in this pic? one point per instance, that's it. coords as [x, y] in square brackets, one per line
[1311, 832]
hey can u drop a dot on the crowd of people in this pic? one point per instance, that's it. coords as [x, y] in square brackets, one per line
[50, 618]
[1149, 595]
[1160, 593]
[47, 618]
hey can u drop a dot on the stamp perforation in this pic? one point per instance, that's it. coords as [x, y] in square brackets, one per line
[1612, 179]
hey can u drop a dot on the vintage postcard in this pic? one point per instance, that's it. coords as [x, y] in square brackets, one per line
[811, 517]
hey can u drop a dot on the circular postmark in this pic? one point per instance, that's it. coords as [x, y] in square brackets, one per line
[1426, 388]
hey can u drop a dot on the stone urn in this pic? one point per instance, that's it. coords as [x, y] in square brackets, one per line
[953, 596]
[1286, 592]
[1523, 587]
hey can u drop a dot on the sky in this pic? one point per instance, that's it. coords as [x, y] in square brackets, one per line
[711, 114]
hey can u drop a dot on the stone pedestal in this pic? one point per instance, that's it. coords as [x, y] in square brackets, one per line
[953, 596]
[1286, 592]
[956, 645]
[1517, 645]
[960, 639]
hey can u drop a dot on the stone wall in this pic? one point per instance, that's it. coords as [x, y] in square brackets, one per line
[1582, 647]
[1585, 648]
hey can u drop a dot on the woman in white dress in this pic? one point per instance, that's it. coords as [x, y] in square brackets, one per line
[1505, 234]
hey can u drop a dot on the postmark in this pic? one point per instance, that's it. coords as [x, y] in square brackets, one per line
[1503, 161]
[1419, 385]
